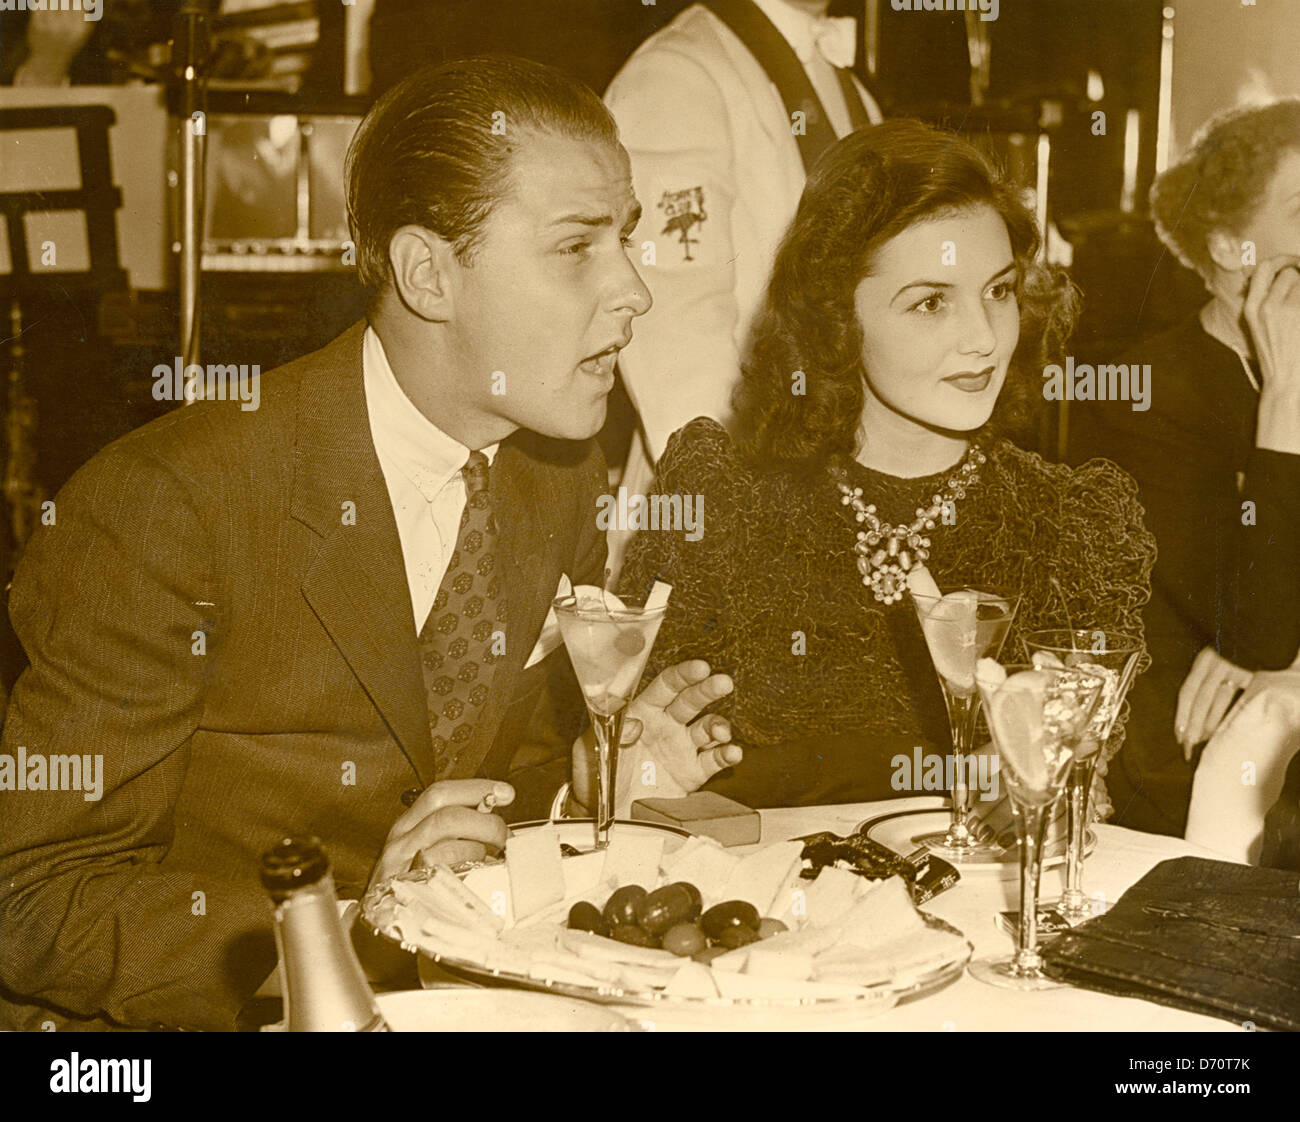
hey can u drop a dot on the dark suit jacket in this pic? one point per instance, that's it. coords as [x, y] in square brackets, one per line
[304, 715]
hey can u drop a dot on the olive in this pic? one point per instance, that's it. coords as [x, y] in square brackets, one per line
[586, 917]
[664, 908]
[769, 927]
[697, 901]
[628, 933]
[685, 939]
[738, 936]
[732, 913]
[629, 642]
[620, 908]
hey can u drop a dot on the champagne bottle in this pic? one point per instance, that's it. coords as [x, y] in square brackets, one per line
[322, 982]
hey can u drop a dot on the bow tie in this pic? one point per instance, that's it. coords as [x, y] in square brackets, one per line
[835, 39]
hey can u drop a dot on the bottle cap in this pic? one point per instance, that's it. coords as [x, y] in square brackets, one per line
[293, 864]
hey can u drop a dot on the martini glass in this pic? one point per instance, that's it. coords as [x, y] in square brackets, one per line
[961, 626]
[608, 644]
[1037, 717]
[1113, 656]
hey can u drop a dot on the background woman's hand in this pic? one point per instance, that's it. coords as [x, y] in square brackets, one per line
[1272, 312]
[1206, 695]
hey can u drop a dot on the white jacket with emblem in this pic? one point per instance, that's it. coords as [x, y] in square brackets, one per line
[708, 135]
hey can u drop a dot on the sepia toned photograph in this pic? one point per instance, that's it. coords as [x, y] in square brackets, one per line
[651, 516]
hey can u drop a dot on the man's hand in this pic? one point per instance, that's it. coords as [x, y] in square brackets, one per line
[1272, 312]
[444, 828]
[1206, 695]
[664, 754]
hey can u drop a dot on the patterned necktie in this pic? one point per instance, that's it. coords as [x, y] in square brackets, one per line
[456, 641]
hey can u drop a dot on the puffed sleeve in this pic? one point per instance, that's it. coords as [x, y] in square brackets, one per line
[1102, 566]
[697, 556]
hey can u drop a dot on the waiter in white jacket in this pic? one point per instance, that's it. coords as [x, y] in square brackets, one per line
[723, 112]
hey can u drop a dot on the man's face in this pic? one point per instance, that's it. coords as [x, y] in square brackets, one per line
[549, 295]
[940, 320]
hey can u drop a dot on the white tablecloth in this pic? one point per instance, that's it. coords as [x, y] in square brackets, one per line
[1121, 858]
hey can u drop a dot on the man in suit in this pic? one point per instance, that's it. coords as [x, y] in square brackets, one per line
[302, 618]
[723, 112]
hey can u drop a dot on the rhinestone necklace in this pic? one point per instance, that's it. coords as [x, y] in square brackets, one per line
[886, 554]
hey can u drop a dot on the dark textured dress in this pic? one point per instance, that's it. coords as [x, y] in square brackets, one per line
[829, 684]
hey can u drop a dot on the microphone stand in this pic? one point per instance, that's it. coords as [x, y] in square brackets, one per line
[187, 98]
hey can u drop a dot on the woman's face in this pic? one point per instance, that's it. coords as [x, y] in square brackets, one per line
[940, 320]
[1274, 228]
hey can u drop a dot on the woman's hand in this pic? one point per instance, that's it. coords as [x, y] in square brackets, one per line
[1272, 312]
[1206, 695]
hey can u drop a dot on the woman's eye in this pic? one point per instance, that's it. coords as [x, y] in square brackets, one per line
[1002, 290]
[627, 242]
[576, 250]
[930, 304]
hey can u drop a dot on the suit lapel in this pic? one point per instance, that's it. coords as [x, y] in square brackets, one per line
[356, 583]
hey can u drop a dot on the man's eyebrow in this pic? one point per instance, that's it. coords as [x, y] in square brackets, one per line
[584, 220]
[948, 284]
[598, 220]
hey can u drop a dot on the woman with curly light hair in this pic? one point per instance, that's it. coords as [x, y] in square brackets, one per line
[900, 348]
[1217, 456]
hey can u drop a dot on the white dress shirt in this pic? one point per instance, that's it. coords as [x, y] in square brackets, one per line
[421, 466]
[800, 29]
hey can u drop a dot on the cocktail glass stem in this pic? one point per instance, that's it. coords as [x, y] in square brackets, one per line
[962, 711]
[1031, 823]
[1074, 904]
[609, 735]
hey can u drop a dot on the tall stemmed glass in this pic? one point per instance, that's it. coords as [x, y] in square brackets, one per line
[1114, 656]
[1036, 716]
[961, 626]
[608, 644]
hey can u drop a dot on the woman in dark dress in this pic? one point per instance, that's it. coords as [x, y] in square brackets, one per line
[1217, 456]
[1217, 462]
[904, 332]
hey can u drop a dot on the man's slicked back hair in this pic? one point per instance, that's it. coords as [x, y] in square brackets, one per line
[435, 150]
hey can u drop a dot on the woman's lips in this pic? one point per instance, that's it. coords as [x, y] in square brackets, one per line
[971, 383]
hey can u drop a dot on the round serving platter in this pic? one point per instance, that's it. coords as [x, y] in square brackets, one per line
[466, 1009]
[869, 1002]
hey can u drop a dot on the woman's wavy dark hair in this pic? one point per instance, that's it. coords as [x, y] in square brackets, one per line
[865, 189]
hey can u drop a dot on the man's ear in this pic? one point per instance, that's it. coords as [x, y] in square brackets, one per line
[423, 266]
[1225, 250]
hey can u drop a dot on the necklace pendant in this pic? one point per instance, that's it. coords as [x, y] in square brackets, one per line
[901, 548]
